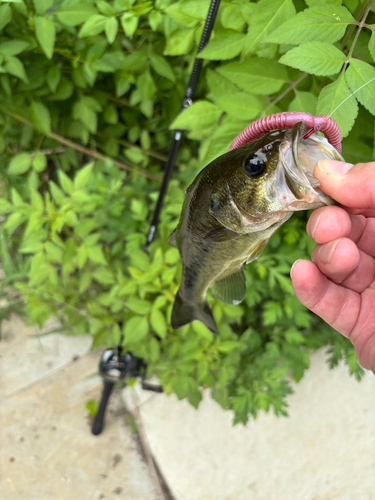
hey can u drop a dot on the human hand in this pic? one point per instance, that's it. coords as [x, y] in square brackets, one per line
[339, 285]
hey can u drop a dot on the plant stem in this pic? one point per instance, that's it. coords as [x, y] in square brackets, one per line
[82, 149]
[361, 13]
[286, 92]
[128, 144]
[359, 30]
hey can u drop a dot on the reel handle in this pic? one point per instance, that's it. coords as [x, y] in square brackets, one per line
[98, 423]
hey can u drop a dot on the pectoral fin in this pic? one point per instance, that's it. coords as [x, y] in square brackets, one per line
[185, 312]
[256, 252]
[231, 289]
[172, 240]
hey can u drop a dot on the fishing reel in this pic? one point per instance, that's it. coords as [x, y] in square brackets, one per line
[115, 366]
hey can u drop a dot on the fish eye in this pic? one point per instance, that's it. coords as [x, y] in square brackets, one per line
[256, 164]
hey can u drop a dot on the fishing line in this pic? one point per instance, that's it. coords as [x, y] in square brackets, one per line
[351, 95]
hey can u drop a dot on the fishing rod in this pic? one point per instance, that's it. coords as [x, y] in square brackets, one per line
[188, 101]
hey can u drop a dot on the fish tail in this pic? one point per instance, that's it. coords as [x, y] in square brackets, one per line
[185, 312]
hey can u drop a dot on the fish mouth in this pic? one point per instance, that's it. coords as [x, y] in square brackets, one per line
[298, 189]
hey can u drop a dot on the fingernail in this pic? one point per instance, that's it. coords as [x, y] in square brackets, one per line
[291, 270]
[334, 167]
[313, 228]
[326, 252]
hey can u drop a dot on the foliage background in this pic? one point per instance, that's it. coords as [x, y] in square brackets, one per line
[89, 90]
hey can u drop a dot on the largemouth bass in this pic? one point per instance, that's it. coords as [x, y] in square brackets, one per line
[234, 206]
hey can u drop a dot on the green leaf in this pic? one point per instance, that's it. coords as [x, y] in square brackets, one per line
[65, 182]
[360, 77]
[53, 78]
[42, 5]
[267, 16]
[177, 13]
[315, 3]
[231, 19]
[200, 115]
[82, 176]
[5, 16]
[16, 198]
[5, 206]
[138, 306]
[14, 221]
[293, 336]
[335, 100]
[226, 45]
[319, 24]
[154, 347]
[304, 101]
[219, 85]
[92, 407]
[63, 92]
[154, 19]
[39, 162]
[96, 255]
[317, 58]
[221, 140]
[158, 322]
[20, 164]
[240, 105]
[93, 26]
[146, 86]
[195, 397]
[257, 75]
[13, 48]
[111, 28]
[37, 201]
[129, 23]
[39, 114]
[179, 42]
[135, 329]
[161, 66]
[105, 8]
[371, 44]
[45, 34]
[57, 194]
[85, 111]
[14, 67]
[228, 345]
[110, 114]
[73, 13]
[103, 276]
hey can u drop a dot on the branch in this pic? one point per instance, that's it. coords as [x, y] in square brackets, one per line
[362, 23]
[128, 144]
[361, 13]
[286, 92]
[49, 151]
[82, 149]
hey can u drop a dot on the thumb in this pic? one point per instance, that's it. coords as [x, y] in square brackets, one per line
[351, 185]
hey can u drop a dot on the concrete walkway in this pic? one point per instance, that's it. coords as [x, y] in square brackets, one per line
[324, 451]
[47, 451]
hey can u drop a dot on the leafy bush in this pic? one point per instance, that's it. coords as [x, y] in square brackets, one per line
[89, 91]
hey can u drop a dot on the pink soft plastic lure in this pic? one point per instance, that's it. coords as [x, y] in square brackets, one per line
[323, 123]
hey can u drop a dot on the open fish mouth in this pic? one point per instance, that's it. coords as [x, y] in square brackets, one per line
[298, 157]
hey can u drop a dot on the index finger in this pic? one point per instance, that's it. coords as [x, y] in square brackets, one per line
[353, 186]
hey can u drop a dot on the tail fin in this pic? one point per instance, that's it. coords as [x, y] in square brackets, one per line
[185, 312]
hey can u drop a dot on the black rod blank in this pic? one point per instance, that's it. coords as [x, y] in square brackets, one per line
[188, 100]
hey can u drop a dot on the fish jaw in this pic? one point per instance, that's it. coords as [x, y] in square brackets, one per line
[297, 187]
